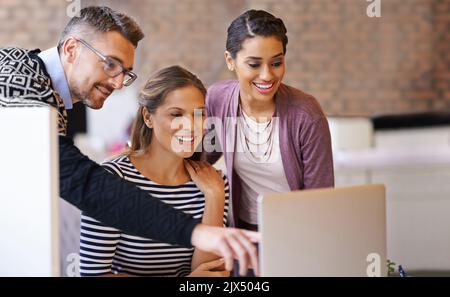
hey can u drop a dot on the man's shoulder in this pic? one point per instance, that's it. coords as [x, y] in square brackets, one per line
[24, 82]
[14, 50]
[24, 62]
[17, 53]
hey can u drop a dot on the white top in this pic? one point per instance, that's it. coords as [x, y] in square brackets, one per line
[259, 173]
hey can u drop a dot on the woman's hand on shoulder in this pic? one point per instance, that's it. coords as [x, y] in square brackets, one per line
[207, 178]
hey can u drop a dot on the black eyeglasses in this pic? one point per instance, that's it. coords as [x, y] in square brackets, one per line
[111, 66]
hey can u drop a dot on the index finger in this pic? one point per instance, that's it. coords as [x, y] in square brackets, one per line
[254, 236]
[189, 167]
[252, 252]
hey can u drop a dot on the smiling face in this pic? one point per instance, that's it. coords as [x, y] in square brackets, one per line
[177, 124]
[259, 67]
[85, 73]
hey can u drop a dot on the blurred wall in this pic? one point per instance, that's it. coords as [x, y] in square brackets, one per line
[353, 64]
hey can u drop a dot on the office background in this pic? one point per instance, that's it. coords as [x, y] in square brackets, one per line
[353, 64]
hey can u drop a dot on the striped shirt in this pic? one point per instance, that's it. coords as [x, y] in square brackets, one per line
[105, 250]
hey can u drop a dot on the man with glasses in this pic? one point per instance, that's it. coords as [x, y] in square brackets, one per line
[94, 57]
[112, 67]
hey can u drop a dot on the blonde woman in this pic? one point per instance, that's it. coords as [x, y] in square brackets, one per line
[162, 161]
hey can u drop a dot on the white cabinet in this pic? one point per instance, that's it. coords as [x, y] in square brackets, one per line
[414, 165]
[29, 187]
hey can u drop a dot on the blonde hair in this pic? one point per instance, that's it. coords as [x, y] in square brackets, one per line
[159, 85]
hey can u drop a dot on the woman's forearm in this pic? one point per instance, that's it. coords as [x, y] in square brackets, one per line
[213, 216]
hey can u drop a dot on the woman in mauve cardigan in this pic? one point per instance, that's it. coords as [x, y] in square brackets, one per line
[256, 45]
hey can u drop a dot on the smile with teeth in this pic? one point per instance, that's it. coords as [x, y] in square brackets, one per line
[103, 90]
[263, 86]
[184, 139]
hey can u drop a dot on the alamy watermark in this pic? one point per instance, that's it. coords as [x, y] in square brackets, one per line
[74, 8]
[73, 266]
[374, 9]
[374, 267]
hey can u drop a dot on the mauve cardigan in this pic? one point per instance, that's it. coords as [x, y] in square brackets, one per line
[305, 141]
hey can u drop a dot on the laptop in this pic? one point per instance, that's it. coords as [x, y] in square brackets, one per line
[324, 232]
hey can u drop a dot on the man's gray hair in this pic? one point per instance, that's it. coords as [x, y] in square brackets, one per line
[95, 19]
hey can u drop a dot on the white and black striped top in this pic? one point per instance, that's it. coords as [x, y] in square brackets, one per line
[106, 250]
